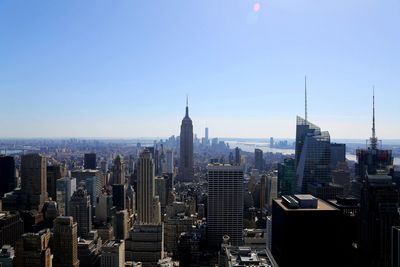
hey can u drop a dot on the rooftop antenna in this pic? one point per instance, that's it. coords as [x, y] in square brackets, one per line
[305, 98]
[187, 105]
[374, 139]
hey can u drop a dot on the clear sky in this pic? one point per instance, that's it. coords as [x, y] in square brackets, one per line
[122, 68]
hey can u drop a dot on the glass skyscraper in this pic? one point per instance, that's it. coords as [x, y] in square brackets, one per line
[313, 155]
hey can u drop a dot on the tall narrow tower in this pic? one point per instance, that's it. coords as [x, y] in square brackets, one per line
[186, 149]
[65, 242]
[147, 203]
[33, 181]
[373, 139]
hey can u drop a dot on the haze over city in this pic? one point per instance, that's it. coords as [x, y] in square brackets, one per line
[123, 69]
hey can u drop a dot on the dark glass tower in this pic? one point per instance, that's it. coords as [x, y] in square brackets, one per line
[313, 155]
[186, 149]
[7, 174]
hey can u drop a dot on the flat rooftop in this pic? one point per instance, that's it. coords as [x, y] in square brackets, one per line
[322, 206]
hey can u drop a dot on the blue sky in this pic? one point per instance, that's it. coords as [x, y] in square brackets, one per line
[123, 68]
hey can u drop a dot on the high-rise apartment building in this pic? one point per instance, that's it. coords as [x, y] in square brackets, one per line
[225, 204]
[81, 211]
[65, 242]
[186, 171]
[33, 181]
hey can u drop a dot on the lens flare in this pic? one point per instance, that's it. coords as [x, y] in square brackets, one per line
[256, 7]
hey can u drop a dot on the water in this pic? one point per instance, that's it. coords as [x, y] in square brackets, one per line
[250, 146]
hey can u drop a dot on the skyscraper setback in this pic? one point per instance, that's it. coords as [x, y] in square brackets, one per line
[186, 149]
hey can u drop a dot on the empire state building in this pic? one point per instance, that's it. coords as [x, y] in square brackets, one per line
[186, 149]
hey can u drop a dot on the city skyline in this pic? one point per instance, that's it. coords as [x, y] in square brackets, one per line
[75, 69]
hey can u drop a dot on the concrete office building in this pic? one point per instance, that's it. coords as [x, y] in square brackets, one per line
[225, 204]
[113, 254]
[81, 211]
[65, 242]
[186, 171]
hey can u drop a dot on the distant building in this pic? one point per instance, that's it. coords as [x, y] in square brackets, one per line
[65, 242]
[89, 250]
[119, 171]
[81, 211]
[325, 191]
[338, 154]
[65, 187]
[11, 228]
[119, 196]
[121, 226]
[33, 250]
[7, 174]
[33, 181]
[54, 172]
[145, 244]
[147, 203]
[304, 232]
[237, 156]
[287, 183]
[259, 162]
[89, 161]
[313, 155]
[245, 256]
[113, 254]
[225, 204]
[186, 171]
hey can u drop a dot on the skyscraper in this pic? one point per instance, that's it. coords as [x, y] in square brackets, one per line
[7, 174]
[54, 172]
[206, 136]
[186, 149]
[259, 159]
[65, 187]
[313, 155]
[65, 242]
[81, 211]
[146, 200]
[379, 205]
[113, 254]
[33, 250]
[89, 161]
[33, 181]
[287, 183]
[119, 171]
[305, 232]
[372, 159]
[237, 156]
[225, 204]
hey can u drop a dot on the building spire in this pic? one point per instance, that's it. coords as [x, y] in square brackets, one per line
[187, 106]
[374, 139]
[305, 99]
